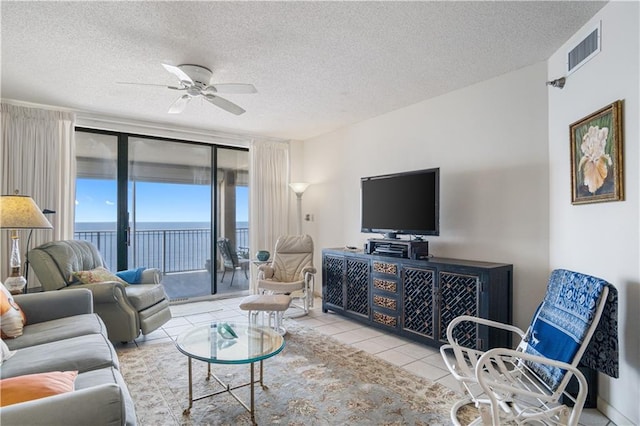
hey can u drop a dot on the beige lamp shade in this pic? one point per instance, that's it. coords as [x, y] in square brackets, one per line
[21, 212]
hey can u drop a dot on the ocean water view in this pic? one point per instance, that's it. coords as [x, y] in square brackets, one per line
[169, 246]
[111, 226]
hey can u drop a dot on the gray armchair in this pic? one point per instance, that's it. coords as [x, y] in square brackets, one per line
[126, 310]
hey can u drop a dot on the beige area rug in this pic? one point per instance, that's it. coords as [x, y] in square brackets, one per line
[315, 380]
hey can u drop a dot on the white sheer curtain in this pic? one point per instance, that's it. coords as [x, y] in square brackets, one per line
[38, 159]
[269, 198]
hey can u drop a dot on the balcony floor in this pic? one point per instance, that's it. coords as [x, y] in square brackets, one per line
[185, 285]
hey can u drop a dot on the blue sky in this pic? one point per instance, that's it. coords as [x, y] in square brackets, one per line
[156, 202]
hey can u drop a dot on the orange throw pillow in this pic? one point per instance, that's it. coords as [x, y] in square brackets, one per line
[12, 319]
[35, 386]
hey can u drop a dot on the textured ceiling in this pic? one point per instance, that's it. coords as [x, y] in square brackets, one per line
[317, 66]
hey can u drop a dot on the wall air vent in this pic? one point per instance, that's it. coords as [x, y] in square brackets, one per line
[585, 50]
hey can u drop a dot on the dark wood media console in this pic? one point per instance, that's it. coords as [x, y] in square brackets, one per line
[417, 298]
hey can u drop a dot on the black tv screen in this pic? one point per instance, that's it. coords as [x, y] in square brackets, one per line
[402, 203]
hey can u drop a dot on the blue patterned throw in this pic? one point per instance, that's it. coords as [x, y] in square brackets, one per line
[562, 320]
[602, 352]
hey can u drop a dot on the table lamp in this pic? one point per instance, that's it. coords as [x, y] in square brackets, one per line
[19, 212]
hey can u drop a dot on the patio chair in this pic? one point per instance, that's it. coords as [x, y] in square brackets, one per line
[291, 270]
[529, 384]
[230, 260]
[125, 309]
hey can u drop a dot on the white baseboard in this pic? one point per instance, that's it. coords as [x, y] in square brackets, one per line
[612, 414]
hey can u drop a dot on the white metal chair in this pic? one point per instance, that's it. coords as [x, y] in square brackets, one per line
[291, 271]
[528, 384]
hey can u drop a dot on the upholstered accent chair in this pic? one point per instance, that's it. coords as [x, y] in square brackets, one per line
[127, 310]
[291, 271]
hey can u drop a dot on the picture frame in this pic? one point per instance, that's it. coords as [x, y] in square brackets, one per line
[596, 156]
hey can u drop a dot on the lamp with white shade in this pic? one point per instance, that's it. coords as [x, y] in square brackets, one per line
[19, 212]
[299, 188]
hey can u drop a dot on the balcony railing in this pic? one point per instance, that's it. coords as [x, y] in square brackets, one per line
[170, 250]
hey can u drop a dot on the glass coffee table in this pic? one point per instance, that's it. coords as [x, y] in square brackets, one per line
[229, 343]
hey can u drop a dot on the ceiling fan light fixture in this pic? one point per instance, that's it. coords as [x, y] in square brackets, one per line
[195, 82]
[197, 73]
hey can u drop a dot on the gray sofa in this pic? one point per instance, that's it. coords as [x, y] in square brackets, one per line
[62, 334]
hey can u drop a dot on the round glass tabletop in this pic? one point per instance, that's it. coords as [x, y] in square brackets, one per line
[230, 343]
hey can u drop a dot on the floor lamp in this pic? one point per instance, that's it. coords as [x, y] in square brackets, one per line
[299, 188]
[19, 212]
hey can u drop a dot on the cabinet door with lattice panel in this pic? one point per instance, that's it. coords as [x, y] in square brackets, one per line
[357, 276]
[459, 294]
[333, 289]
[418, 301]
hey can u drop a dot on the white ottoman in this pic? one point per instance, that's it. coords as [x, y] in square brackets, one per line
[272, 304]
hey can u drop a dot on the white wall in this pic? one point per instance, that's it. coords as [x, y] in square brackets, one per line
[602, 239]
[503, 149]
[490, 142]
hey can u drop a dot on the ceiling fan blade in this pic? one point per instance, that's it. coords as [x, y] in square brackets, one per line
[234, 88]
[182, 76]
[179, 105]
[151, 84]
[224, 104]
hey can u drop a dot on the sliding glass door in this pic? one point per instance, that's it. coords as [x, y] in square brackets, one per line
[232, 236]
[156, 203]
[170, 213]
[96, 215]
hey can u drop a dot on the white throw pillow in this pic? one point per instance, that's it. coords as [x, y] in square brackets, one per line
[12, 318]
[5, 352]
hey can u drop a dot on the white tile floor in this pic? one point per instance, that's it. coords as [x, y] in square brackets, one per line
[419, 359]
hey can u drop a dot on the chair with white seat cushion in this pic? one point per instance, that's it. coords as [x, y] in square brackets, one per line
[290, 271]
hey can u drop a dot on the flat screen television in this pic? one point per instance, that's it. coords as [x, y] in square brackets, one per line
[402, 203]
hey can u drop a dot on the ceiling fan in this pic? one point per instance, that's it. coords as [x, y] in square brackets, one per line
[195, 82]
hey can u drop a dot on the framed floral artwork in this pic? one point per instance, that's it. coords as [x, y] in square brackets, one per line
[596, 156]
